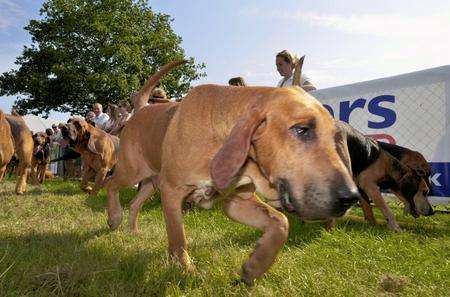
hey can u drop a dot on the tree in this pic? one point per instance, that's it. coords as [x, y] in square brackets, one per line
[87, 51]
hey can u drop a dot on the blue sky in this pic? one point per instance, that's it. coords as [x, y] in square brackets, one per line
[344, 41]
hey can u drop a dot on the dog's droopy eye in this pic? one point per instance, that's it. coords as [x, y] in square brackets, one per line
[300, 131]
[420, 172]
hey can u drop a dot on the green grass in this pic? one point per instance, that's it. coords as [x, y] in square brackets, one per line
[54, 242]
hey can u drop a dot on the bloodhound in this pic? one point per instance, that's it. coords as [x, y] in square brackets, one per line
[23, 148]
[410, 158]
[220, 142]
[6, 144]
[97, 148]
[41, 156]
[374, 168]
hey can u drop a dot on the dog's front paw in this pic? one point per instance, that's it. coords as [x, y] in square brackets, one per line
[87, 189]
[114, 222]
[93, 192]
[395, 227]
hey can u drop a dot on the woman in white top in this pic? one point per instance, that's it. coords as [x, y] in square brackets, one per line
[285, 62]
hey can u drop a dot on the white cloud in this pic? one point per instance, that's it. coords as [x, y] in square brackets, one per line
[383, 25]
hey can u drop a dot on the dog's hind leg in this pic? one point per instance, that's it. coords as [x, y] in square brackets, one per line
[123, 176]
[245, 208]
[172, 200]
[145, 191]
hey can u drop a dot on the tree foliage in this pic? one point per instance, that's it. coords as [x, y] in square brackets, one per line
[86, 51]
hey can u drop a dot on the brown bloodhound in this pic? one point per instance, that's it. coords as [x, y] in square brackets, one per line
[6, 144]
[97, 148]
[41, 156]
[23, 148]
[214, 136]
[374, 168]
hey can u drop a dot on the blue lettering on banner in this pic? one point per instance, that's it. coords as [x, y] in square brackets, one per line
[346, 108]
[440, 179]
[388, 114]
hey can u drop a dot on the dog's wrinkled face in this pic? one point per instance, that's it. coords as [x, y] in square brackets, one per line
[70, 133]
[414, 192]
[295, 148]
[74, 131]
[41, 147]
[40, 139]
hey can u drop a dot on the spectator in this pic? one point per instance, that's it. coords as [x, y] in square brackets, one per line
[158, 96]
[56, 134]
[114, 116]
[90, 117]
[123, 114]
[100, 117]
[237, 81]
[55, 150]
[286, 62]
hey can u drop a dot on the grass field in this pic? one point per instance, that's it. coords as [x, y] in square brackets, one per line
[54, 242]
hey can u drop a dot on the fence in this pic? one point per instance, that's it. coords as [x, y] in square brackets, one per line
[411, 110]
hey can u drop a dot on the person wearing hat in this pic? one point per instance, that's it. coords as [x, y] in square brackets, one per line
[285, 62]
[158, 96]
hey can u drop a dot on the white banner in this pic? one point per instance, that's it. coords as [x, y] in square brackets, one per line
[411, 110]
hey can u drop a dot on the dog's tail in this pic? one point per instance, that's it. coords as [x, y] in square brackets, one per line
[2, 115]
[140, 98]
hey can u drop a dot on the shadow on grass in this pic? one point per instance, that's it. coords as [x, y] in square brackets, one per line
[302, 233]
[358, 224]
[72, 264]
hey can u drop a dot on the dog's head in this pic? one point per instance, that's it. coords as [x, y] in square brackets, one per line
[41, 141]
[414, 194]
[78, 132]
[291, 137]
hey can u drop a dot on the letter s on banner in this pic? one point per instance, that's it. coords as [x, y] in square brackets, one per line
[388, 114]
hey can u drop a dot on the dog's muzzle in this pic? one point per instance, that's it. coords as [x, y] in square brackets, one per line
[285, 195]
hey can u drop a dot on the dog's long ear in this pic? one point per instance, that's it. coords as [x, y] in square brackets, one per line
[91, 144]
[409, 184]
[233, 154]
[84, 135]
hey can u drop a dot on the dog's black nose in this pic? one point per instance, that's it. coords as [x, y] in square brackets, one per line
[430, 212]
[347, 196]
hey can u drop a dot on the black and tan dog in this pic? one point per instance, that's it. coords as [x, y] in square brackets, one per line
[410, 158]
[41, 156]
[374, 169]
